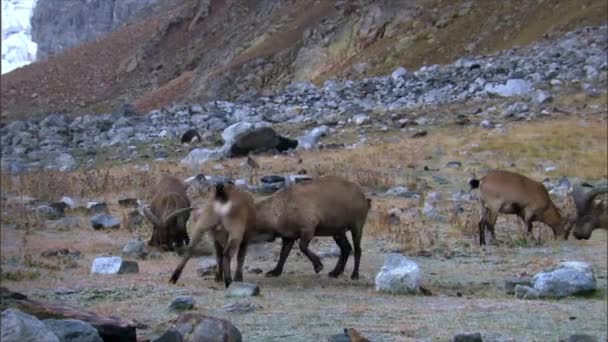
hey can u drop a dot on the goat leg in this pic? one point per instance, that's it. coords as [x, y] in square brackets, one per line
[286, 246]
[345, 250]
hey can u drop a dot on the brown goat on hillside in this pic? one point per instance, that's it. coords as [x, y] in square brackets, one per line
[230, 216]
[169, 213]
[589, 214]
[327, 206]
[505, 192]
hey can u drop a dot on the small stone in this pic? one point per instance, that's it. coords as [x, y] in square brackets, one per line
[398, 73]
[240, 289]
[526, 292]
[113, 265]
[487, 124]
[47, 212]
[135, 249]
[206, 266]
[101, 221]
[511, 282]
[453, 164]
[241, 307]
[420, 134]
[182, 303]
[97, 208]
[65, 223]
[467, 337]
[52, 252]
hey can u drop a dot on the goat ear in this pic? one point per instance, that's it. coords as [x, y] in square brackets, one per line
[150, 215]
[177, 213]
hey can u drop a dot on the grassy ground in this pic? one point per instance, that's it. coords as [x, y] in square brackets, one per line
[466, 281]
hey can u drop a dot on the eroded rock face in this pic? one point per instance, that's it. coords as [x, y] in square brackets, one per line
[55, 28]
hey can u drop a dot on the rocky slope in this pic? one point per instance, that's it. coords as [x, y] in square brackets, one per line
[56, 28]
[515, 84]
[191, 50]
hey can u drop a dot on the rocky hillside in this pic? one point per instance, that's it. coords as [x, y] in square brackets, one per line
[198, 50]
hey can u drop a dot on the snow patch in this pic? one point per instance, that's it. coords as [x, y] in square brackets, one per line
[18, 49]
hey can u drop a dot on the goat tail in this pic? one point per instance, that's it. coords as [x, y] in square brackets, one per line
[474, 183]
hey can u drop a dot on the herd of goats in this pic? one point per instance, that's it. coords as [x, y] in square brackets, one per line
[331, 206]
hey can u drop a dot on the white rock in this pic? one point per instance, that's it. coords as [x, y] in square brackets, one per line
[513, 87]
[398, 73]
[113, 265]
[398, 275]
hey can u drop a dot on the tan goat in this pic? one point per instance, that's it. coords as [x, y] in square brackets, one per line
[505, 192]
[589, 214]
[169, 213]
[230, 216]
[327, 206]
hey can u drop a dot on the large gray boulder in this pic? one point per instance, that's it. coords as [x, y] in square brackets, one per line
[398, 275]
[73, 330]
[20, 327]
[135, 249]
[194, 327]
[568, 278]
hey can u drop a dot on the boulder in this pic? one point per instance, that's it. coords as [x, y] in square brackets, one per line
[398, 275]
[104, 221]
[256, 140]
[196, 327]
[73, 330]
[467, 337]
[113, 265]
[568, 278]
[19, 327]
[171, 335]
[513, 87]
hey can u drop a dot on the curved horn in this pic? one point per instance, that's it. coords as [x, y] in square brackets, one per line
[150, 215]
[177, 213]
[578, 196]
[583, 200]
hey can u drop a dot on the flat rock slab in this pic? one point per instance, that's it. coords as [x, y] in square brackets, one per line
[73, 330]
[113, 265]
[101, 221]
[239, 289]
[182, 303]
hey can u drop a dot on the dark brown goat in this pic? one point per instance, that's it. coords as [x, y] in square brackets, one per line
[169, 213]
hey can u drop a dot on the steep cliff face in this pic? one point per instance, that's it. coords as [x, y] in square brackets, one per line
[55, 28]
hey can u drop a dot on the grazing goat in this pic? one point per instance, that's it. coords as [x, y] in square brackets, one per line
[169, 213]
[504, 192]
[589, 214]
[328, 206]
[230, 216]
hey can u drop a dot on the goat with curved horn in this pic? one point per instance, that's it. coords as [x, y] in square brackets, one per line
[169, 213]
[589, 214]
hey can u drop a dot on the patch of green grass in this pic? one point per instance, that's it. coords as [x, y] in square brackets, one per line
[19, 275]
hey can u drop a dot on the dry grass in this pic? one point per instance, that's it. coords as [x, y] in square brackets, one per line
[576, 147]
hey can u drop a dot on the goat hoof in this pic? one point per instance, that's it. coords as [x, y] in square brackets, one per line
[354, 276]
[318, 268]
[334, 274]
[273, 273]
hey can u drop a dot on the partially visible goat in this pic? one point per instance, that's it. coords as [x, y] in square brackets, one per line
[589, 214]
[169, 213]
[505, 192]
